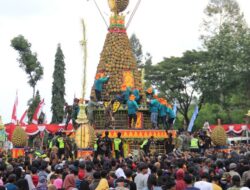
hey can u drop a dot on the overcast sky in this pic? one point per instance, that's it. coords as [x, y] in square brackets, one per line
[164, 27]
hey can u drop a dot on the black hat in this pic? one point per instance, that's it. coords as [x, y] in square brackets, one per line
[120, 179]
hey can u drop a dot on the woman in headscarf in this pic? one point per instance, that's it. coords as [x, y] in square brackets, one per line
[69, 182]
[180, 183]
[30, 182]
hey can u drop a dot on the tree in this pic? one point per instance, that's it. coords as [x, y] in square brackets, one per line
[58, 87]
[28, 61]
[33, 103]
[137, 50]
[176, 79]
[147, 68]
[226, 40]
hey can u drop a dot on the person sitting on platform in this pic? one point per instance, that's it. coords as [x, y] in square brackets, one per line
[150, 92]
[171, 115]
[154, 109]
[75, 111]
[99, 81]
[145, 146]
[132, 109]
[118, 145]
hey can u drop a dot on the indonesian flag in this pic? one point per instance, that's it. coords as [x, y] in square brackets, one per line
[24, 118]
[37, 113]
[14, 117]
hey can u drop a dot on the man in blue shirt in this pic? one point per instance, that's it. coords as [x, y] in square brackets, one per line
[154, 106]
[99, 81]
[171, 116]
[132, 109]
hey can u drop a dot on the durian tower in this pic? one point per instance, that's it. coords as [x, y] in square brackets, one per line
[117, 59]
[19, 137]
[218, 135]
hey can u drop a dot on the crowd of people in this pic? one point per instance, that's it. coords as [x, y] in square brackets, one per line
[180, 169]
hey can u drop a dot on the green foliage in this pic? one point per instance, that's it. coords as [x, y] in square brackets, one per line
[28, 61]
[175, 78]
[137, 50]
[58, 87]
[33, 103]
[224, 73]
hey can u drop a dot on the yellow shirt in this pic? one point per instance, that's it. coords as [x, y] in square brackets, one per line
[103, 185]
[216, 187]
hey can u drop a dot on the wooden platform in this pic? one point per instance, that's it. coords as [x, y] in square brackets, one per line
[138, 133]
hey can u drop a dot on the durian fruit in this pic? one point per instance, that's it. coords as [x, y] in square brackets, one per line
[85, 136]
[219, 136]
[19, 137]
[118, 6]
[121, 5]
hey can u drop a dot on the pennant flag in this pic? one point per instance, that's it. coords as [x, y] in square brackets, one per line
[38, 112]
[175, 108]
[191, 123]
[14, 117]
[24, 118]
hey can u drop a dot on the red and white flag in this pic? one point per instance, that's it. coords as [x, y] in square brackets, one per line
[14, 117]
[24, 118]
[38, 112]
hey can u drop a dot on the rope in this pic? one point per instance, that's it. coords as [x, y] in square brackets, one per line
[133, 13]
[99, 10]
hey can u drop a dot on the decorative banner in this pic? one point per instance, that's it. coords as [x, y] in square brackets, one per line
[235, 128]
[126, 149]
[116, 105]
[139, 121]
[128, 79]
[17, 152]
[138, 134]
[82, 153]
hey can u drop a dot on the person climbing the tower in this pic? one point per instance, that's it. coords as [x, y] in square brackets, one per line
[132, 109]
[100, 79]
[118, 145]
[154, 110]
[171, 115]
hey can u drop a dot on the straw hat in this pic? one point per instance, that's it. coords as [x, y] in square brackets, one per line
[248, 114]
[155, 96]
[123, 87]
[132, 97]
[97, 76]
[150, 90]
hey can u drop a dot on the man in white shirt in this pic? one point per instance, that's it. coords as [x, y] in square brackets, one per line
[142, 177]
[204, 184]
